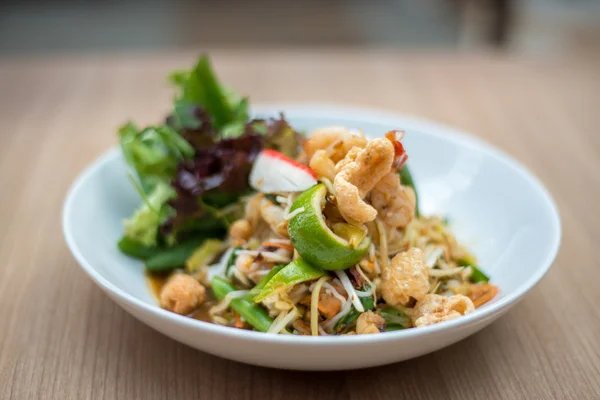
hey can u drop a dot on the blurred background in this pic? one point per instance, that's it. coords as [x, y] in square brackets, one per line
[540, 27]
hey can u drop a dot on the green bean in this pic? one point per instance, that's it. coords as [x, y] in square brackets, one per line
[407, 180]
[173, 257]
[255, 315]
[135, 249]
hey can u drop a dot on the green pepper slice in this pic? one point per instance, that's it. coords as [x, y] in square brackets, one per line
[295, 272]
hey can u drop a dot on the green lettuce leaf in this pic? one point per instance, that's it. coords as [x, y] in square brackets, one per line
[278, 135]
[153, 152]
[143, 226]
[201, 87]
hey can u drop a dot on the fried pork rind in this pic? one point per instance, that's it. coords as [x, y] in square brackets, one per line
[395, 204]
[336, 141]
[407, 276]
[435, 308]
[356, 179]
[369, 322]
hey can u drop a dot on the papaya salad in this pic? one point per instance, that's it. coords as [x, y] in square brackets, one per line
[250, 224]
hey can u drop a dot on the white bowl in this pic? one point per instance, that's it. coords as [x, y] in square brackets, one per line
[496, 207]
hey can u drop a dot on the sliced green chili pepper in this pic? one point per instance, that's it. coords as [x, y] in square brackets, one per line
[260, 285]
[477, 274]
[407, 180]
[295, 272]
[255, 315]
[173, 257]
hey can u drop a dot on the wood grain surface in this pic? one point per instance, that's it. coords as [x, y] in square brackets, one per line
[62, 338]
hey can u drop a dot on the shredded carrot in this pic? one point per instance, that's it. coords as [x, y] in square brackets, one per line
[238, 321]
[482, 293]
[328, 305]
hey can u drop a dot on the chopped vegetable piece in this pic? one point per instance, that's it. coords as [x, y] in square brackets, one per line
[481, 293]
[216, 177]
[203, 255]
[143, 225]
[477, 275]
[295, 272]
[279, 135]
[232, 259]
[395, 319]
[153, 152]
[260, 285]
[367, 302]
[194, 124]
[200, 87]
[252, 313]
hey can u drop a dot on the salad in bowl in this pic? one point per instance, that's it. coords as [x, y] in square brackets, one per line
[250, 224]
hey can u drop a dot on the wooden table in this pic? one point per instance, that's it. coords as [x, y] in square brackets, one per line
[62, 338]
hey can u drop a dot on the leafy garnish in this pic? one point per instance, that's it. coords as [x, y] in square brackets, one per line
[153, 152]
[200, 87]
[193, 170]
[214, 178]
[194, 124]
[278, 134]
[203, 255]
[143, 226]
